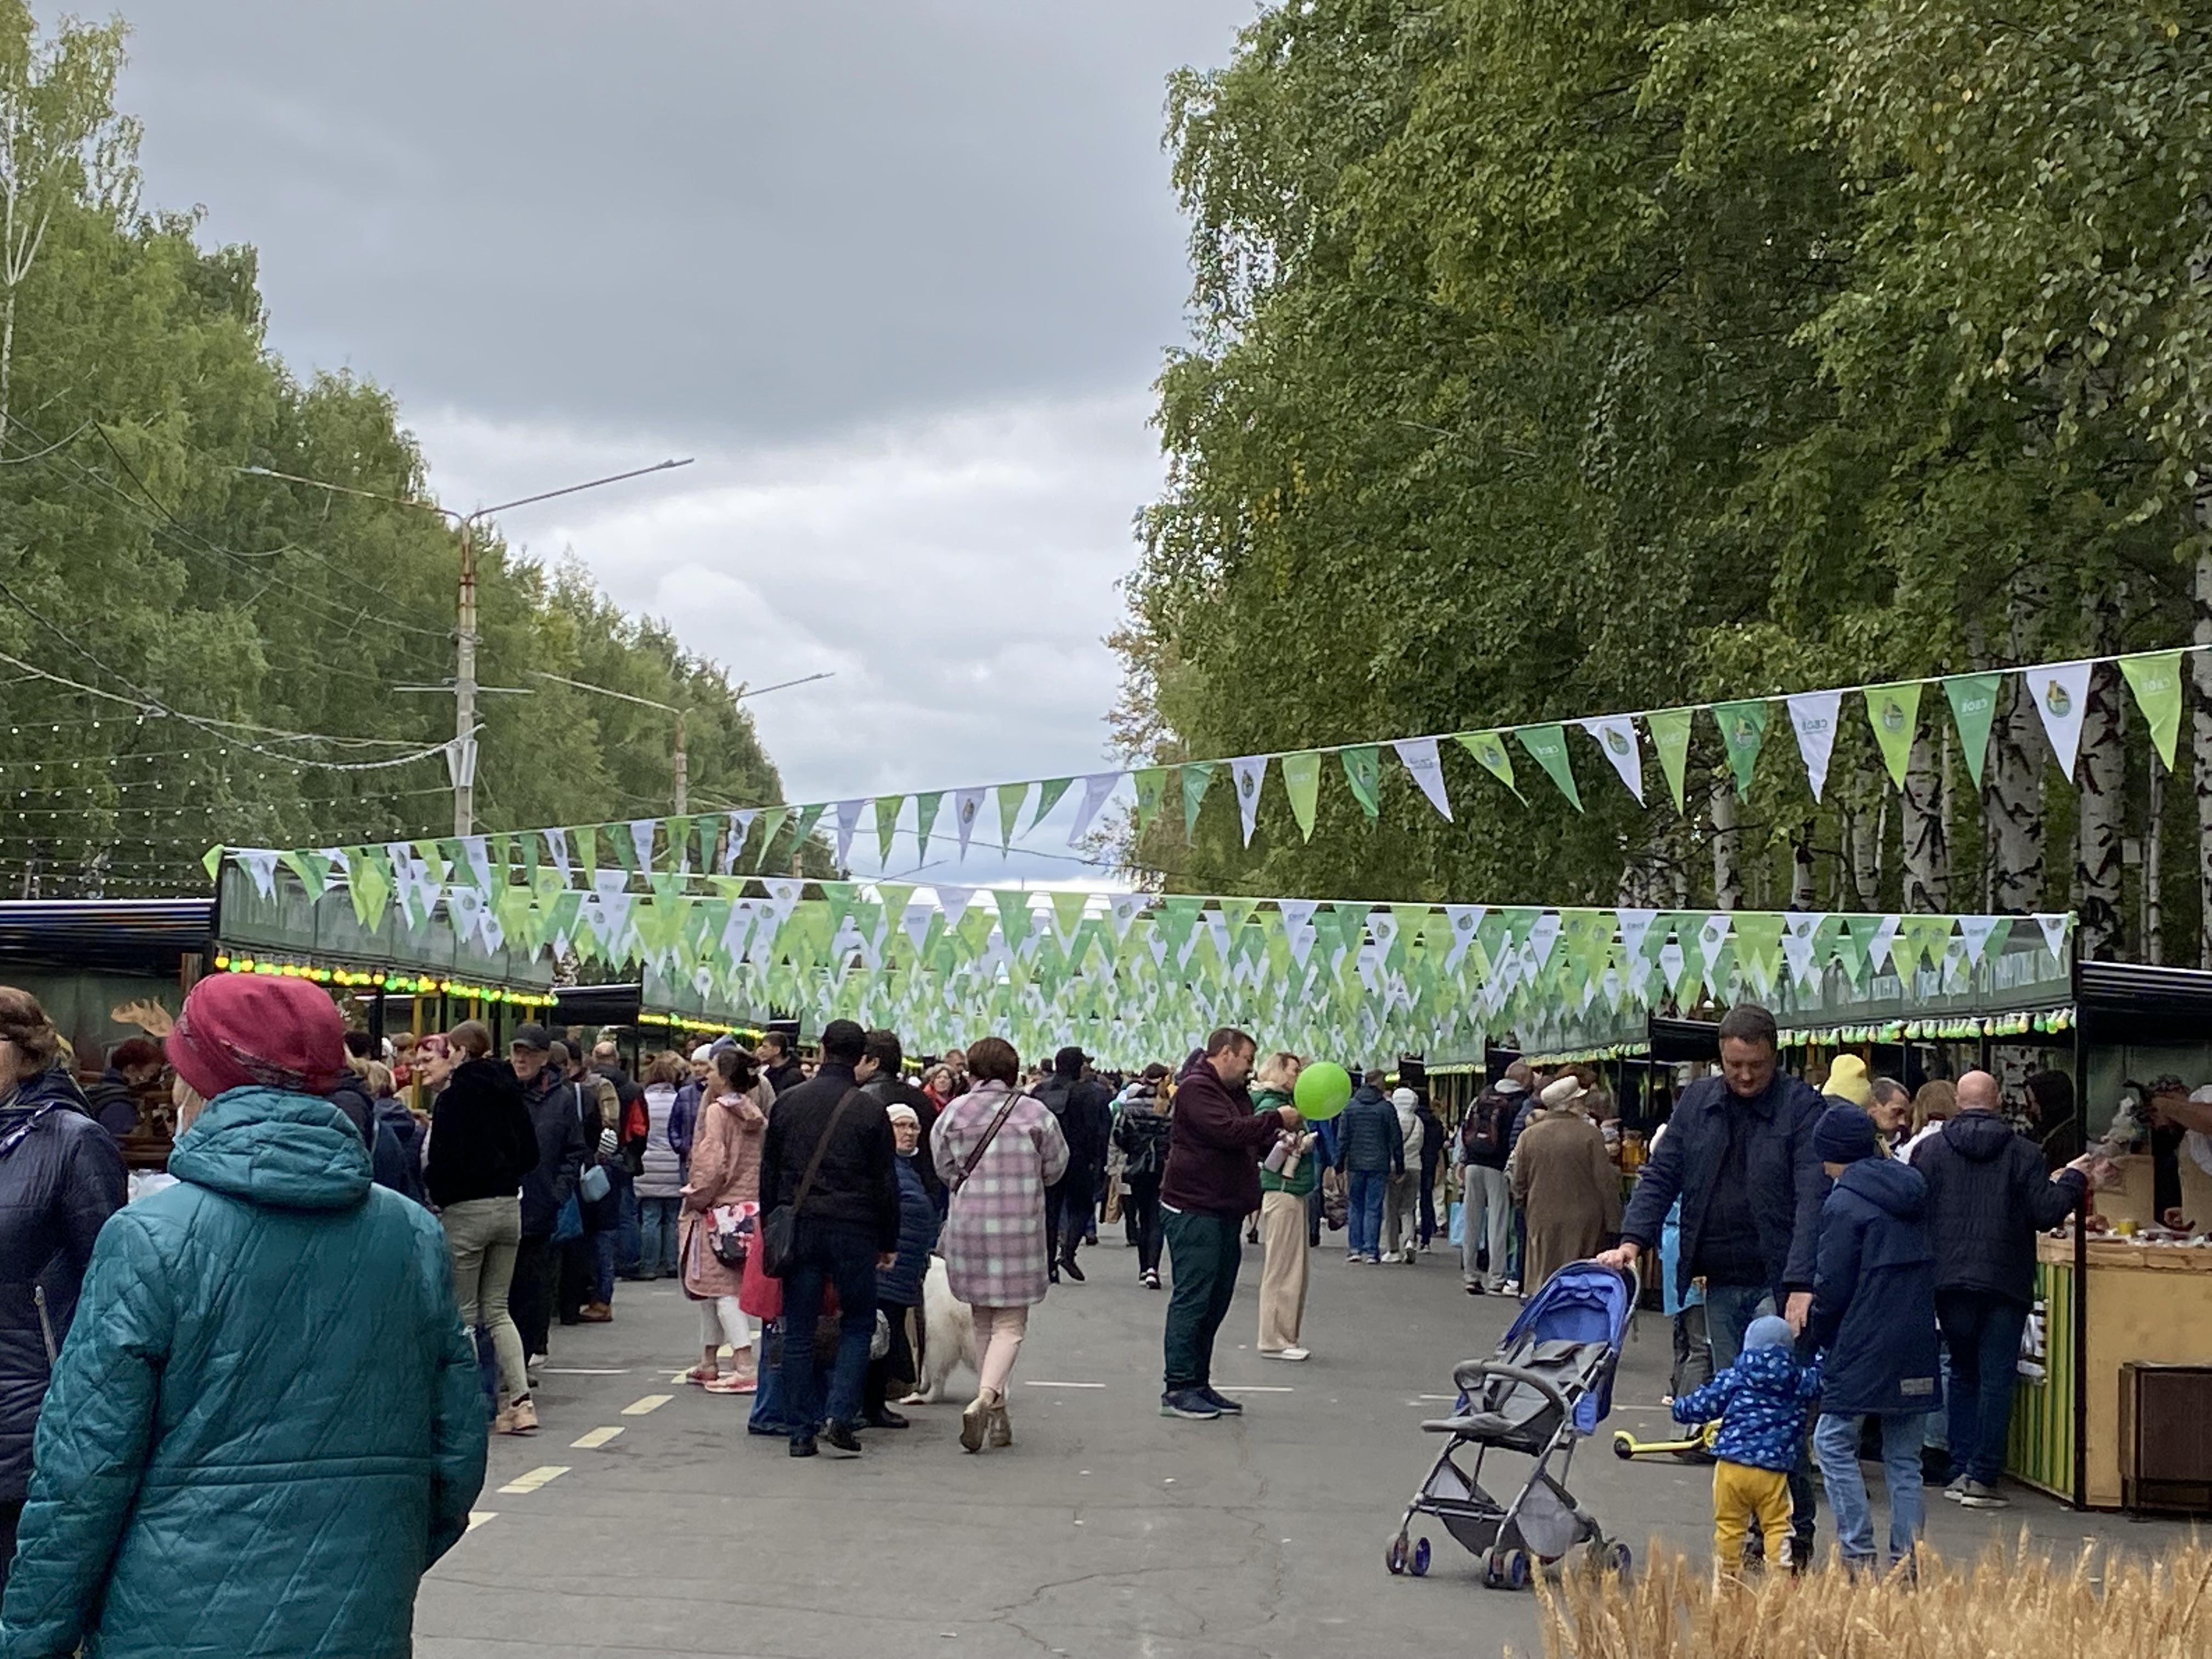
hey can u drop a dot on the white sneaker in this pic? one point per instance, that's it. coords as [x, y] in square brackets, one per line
[1285, 1354]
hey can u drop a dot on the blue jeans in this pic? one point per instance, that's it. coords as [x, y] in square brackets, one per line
[1366, 1221]
[1982, 1332]
[627, 1237]
[603, 1264]
[1729, 1309]
[825, 1253]
[656, 1219]
[1836, 1442]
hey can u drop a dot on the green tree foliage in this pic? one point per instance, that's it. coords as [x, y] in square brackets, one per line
[1569, 357]
[146, 565]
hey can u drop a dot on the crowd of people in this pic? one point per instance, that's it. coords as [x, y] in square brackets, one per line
[1848, 1268]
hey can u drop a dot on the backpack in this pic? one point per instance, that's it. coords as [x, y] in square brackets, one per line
[1482, 1131]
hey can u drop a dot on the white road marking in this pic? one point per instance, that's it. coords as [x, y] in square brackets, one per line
[1035, 1382]
[537, 1478]
[563, 1370]
[1254, 1388]
[594, 1440]
[477, 1517]
[652, 1402]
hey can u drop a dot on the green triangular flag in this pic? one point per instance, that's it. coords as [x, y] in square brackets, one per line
[1743, 728]
[925, 820]
[1014, 914]
[1670, 736]
[887, 811]
[1974, 706]
[1067, 910]
[771, 825]
[1302, 780]
[809, 816]
[1048, 794]
[1489, 748]
[1152, 783]
[1196, 775]
[1011, 797]
[1547, 744]
[679, 844]
[1362, 770]
[587, 850]
[625, 844]
[371, 881]
[1894, 712]
[211, 861]
[2156, 678]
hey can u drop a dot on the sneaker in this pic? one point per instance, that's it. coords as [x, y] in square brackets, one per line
[1185, 1402]
[1955, 1489]
[975, 1424]
[521, 1418]
[1052, 1274]
[597, 1313]
[803, 1446]
[1511, 1287]
[1976, 1496]
[1073, 1272]
[885, 1419]
[1001, 1434]
[1283, 1354]
[1474, 1287]
[844, 1437]
[735, 1382]
[1353, 1258]
[1151, 1278]
[1222, 1402]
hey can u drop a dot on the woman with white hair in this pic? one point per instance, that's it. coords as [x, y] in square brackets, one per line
[898, 1287]
[1561, 1173]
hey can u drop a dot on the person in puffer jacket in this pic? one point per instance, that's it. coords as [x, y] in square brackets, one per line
[266, 1422]
[1761, 1401]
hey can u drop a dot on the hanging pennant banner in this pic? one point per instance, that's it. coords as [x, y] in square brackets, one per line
[641, 837]
[2062, 698]
[1197, 777]
[967, 806]
[925, 807]
[1362, 770]
[1616, 735]
[849, 820]
[1096, 788]
[1635, 928]
[887, 811]
[1419, 757]
[1048, 794]
[1248, 773]
[1973, 699]
[1011, 797]
[954, 902]
[1984, 935]
[2156, 678]
[1893, 711]
[1302, 782]
[1670, 739]
[1814, 714]
[1490, 752]
[2054, 932]
[1743, 728]
[1122, 908]
[1548, 745]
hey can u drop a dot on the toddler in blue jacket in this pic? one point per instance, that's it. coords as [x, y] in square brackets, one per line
[1761, 1401]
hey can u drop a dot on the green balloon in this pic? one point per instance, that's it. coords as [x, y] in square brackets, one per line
[1322, 1089]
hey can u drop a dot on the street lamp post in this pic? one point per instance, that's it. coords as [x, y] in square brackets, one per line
[463, 763]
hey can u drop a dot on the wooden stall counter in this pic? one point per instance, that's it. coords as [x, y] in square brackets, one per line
[2145, 1302]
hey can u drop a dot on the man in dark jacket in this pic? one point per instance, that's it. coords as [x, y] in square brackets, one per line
[882, 1057]
[1873, 1319]
[1738, 1153]
[778, 1064]
[1215, 1143]
[1370, 1148]
[1988, 1196]
[1085, 1112]
[846, 1228]
[1432, 1153]
[557, 1111]
[114, 1100]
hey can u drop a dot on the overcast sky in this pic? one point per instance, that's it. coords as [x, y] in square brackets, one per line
[898, 273]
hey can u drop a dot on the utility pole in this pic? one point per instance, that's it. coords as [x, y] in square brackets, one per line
[462, 757]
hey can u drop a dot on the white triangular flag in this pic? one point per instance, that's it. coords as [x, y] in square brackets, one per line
[1541, 938]
[1635, 928]
[741, 826]
[1797, 931]
[641, 837]
[556, 843]
[1096, 788]
[1123, 907]
[1465, 922]
[966, 804]
[1673, 959]
[736, 930]
[2061, 697]
[1419, 757]
[1814, 713]
[916, 922]
[1714, 933]
[1616, 735]
[1250, 775]
[1884, 937]
[260, 863]
[954, 902]
[2054, 932]
[1975, 931]
[476, 850]
[849, 820]
[339, 867]
[783, 897]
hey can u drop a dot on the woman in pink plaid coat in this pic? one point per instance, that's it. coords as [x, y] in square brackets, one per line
[993, 1241]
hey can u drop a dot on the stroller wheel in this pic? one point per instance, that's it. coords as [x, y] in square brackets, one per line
[1493, 1570]
[1624, 1447]
[1394, 1557]
[1419, 1564]
[1514, 1572]
[1616, 1557]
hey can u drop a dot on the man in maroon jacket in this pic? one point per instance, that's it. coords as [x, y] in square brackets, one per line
[1215, 1143]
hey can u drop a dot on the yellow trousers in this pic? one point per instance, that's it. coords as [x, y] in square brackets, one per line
[1740, 1492]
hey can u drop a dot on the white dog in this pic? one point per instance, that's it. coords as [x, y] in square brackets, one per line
[948, 1337]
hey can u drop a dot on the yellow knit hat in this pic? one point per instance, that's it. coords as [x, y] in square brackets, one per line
[1847, 1080]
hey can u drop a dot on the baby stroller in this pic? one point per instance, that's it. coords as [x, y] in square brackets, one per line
[1549, 1385]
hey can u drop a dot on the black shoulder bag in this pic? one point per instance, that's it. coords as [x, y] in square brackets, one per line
[779, 1227]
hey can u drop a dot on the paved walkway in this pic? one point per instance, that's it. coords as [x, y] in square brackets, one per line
[644, 1520]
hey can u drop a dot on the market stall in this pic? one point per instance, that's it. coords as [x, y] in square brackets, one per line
[2115, 1392]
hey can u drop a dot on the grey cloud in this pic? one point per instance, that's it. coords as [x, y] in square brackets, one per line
[761, 220]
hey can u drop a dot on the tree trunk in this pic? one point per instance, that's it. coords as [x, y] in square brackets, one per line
[1927, 850]
[2154, 900]
[2100, 778]
[2201, 737]
[1866, 857]
[1803, 894]
[1727, 858]
[2012, 804]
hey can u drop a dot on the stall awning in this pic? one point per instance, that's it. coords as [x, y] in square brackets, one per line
[598, 1004]
[2134, 1002]
[148, 937]
[1674, 1040]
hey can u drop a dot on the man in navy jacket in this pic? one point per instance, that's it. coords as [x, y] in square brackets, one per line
[1738, 1153]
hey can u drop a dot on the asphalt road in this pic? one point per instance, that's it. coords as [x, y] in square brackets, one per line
[1107, 1529]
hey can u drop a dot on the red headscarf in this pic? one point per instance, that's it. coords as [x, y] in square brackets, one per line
[240, 1029]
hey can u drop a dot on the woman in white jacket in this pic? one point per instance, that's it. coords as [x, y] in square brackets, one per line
[1401, 1199]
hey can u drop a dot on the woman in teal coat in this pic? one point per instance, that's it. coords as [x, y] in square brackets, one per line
[266, 1422]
